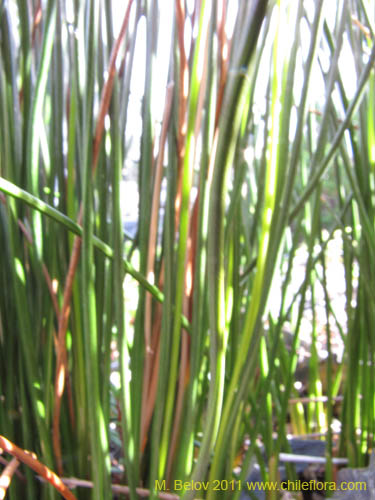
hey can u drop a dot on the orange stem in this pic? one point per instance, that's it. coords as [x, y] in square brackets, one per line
[38, 467]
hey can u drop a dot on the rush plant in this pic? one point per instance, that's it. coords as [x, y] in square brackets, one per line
[162, 163]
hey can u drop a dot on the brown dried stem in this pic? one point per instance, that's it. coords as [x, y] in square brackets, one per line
[41, 469]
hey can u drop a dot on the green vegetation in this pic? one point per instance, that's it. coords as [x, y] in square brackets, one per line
[154, 357]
